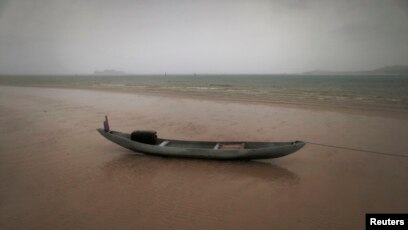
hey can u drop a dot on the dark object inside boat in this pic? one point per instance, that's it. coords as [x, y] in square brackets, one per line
[144, 136]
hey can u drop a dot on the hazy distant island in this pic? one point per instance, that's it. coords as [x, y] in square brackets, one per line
[109, 72]
[387, 70]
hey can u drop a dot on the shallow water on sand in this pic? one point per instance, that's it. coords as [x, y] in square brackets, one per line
[360, 91]
[58, 172]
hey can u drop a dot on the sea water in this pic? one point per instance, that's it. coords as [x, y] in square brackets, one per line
[369, 91]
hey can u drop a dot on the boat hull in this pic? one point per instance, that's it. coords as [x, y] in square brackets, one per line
[200, 149]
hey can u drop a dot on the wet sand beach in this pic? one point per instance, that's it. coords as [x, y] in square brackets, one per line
[57, 172]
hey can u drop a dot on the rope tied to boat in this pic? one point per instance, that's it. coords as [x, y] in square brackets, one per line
[359, 150]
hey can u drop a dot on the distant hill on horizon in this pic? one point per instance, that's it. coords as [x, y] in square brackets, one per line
[109, 72]
[386, 70]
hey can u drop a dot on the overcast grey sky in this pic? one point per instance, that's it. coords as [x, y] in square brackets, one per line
[220, 36]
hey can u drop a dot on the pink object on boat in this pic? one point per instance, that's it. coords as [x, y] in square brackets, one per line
[106, 124]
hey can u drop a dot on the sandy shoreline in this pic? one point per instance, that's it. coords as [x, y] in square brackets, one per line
[58, 172]
[359, 109]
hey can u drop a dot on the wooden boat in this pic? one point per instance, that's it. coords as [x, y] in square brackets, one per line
[201, 149]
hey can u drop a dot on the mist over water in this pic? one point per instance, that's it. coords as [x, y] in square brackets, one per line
[278, 36]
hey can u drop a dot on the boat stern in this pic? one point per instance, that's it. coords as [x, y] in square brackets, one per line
[101, 131]
[104, 133]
